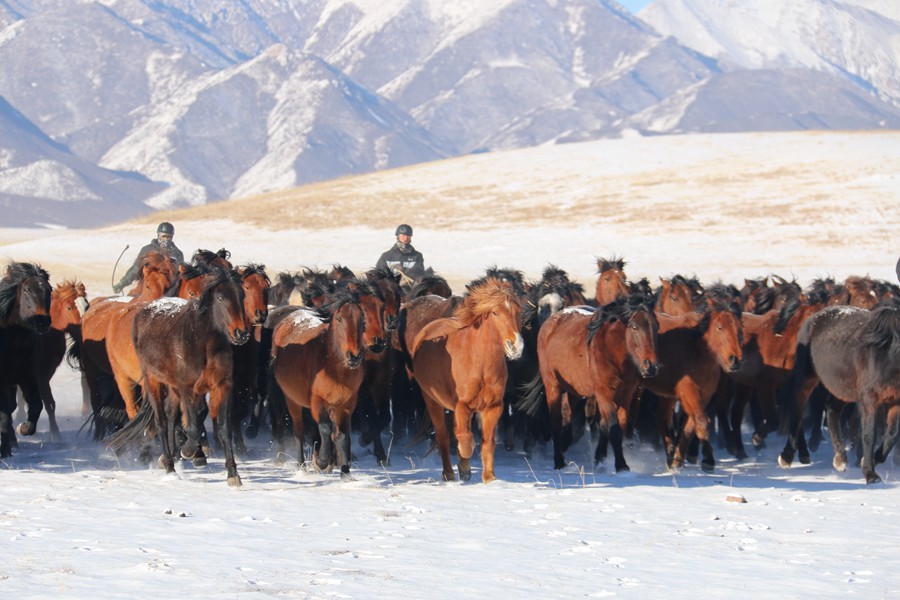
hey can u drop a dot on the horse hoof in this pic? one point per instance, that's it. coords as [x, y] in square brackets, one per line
[465, 474]
[740, 455]
[234, 481]
[488, 477]
[622, 468]
[872, 477]
[199, 461]
[692, 459]
[840, 464]
[784, 464]
[708, 467]
[805, 459]
[26, 428]
[448, 476]
[759, 442]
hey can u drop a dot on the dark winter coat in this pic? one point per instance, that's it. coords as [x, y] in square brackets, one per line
[134, 272]
[403, 258]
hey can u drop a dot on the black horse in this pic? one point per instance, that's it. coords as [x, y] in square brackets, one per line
[854, 354]
[24, 313]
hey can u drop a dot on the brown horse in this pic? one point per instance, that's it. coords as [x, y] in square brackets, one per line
[24, 314]
[694, 359]
[317, 357]
[611, 280]
[853, 353]
[68, 303]
[373, 410]
[602, 355]
[460, 365]
[185, 346]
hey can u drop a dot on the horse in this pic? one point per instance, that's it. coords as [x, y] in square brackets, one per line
[24, 313]
[854, 354]
[373, 409]
[602, 355]
[429, 284]
[611, 280]
[694, 359]
[186, 346]
[317, 358]
[68, 303]
[460, 365]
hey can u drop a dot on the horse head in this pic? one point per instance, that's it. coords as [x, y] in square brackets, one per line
[861, 292]
[256, 286]
[224, 298]
[388, 285]
[675, 296]
[495, 303]
[723, 330]
[611, 281]
[68, 303]
[639, 329]
[372, 305]
[25, 297]
[346, 326]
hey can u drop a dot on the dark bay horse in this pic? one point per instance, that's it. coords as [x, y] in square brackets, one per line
[694, 359]
[612, 282]
[24, 314]
[317, 358]
[460, 365]
[185, 346]
[602, 355]
[854, 354]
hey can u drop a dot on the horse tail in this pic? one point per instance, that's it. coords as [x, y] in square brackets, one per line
[532, 397]
[73, 353]
[135, 431]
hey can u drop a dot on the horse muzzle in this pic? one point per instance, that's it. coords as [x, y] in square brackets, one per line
[354, 360]
[735, 364]
[40, 323]
[259, 317]
[514, 348]
[239, 337]
[649, 369]
[378, 345]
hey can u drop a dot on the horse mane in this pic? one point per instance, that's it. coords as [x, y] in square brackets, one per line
[621, 309]
[339, 272]
[209, 257]
[482, 299]
[220, 276]
[515, 278]
[337, 299]
[427, 284]
[882, 331]
[376, 275]
[605, 264]
[790, 308]
[67, 289]
[16, 273]
[251, 269]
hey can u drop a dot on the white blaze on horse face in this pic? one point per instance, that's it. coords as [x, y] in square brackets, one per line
[553, 302]
[82, 305]
[514, 348]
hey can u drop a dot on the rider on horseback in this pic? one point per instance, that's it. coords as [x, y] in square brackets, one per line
[402, 258]
[163, 243]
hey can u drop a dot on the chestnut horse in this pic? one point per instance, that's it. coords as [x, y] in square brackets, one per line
[186, 346]
[853, 353]
[24, 313]
[460, 365]
[317, 358]
[602, 355]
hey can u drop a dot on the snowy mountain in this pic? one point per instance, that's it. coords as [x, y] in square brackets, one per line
[216, 99]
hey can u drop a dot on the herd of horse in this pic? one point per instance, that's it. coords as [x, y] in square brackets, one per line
[316, 355]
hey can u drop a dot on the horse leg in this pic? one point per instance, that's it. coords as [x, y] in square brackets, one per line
[220, 399]
[666, 427]
[191, 449]
[436, 413]
[465, 439]
[616, 437]
[31, 391]
[489, 418]
[867, 428]
[50, 407]
[735, 445]
[7, 407]
[892, 431]
[341, 420]
[797, 403]
[837, 439]
[325, 454]
[165, 411]
[708, 464]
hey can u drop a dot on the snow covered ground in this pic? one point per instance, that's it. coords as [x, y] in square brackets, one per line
[77, 523]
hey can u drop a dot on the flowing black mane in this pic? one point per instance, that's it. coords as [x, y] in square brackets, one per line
[622, 310]
[16, 273]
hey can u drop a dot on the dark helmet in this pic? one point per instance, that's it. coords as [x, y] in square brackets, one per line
[404, 230]
[166, 227]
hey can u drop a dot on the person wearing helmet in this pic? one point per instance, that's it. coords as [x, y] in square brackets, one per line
[163, 243]
[402, 258]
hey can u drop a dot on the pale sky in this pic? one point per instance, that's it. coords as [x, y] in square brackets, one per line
[634, 5]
